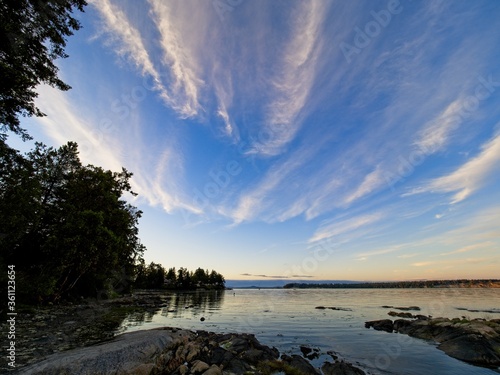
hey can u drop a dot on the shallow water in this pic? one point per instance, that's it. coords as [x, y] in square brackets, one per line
[287, 318]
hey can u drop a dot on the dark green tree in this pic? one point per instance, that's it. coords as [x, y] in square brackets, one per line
[33, 34]
[171, 278]
[200, 278]
[64, 225]
[155, 276]
[216, 280]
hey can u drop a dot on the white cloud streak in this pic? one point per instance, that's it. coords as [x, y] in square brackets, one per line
[469, 177]
[346, 226]
[371, 182]
[436, 133]
[181, 93]
[291, 86]
[185, 83]
[468, 248]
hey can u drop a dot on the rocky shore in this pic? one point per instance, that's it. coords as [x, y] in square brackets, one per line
[474, 341]
[45, 330]
[179, 352]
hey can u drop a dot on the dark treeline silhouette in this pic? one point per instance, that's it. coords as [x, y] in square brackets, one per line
[63, 225]
[462, 283]
[156, 276]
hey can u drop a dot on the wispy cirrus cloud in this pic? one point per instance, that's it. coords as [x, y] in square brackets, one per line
[436, 133]
[292, 83]
[465, 249]
[469, 177]
[163, 184]
[176, 83]
[345, 226]
[184, 82]
[455, 262]
[64, 122]
[159, 184]
[127, 40]
[372, 181]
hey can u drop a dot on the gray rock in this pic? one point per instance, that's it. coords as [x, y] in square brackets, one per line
[128, 353]
[213, 370]
[299, 363]
[401, 314]
[471, 348]
[340, 368]
[476, 341]
[380, 325]
[402, 325]
[199, 367]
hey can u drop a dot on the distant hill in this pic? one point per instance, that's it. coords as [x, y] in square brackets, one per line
[278, 283]
[462, 283]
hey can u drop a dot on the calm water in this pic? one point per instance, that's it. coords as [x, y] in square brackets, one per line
[287, 318]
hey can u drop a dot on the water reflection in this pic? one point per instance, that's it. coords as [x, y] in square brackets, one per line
[185, 305]
[193, 303]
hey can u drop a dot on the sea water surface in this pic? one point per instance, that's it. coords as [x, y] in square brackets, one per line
[287, 318]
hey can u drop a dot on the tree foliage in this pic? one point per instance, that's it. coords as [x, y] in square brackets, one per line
[155, 276]
[64, 225]
[33, 34]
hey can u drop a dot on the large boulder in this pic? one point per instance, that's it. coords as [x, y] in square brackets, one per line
[299, 363]
[472, 348]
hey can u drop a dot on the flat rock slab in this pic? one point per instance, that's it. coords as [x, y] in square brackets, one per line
[127, 354]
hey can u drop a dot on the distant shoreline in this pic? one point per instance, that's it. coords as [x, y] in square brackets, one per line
[463, 283]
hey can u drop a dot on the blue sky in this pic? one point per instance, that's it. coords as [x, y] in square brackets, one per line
[295, 139]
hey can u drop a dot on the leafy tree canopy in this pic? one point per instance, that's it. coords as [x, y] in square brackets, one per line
[64, 225]
[32, 35]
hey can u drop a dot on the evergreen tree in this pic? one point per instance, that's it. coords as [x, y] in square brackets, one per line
[64, 225]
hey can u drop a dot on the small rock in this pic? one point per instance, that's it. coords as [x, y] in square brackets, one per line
[199, 367]
[202, 319]
[213, 370]
[309, 353]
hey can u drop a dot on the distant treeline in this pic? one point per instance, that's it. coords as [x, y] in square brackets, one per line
[155, 276]
[463, 283]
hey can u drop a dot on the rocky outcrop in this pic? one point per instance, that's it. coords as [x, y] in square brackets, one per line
[380, 325]
[474, 341]
[300, 364]
[175, 351]
[340, 368]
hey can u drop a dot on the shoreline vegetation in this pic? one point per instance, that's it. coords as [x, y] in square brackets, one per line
[461, 283]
